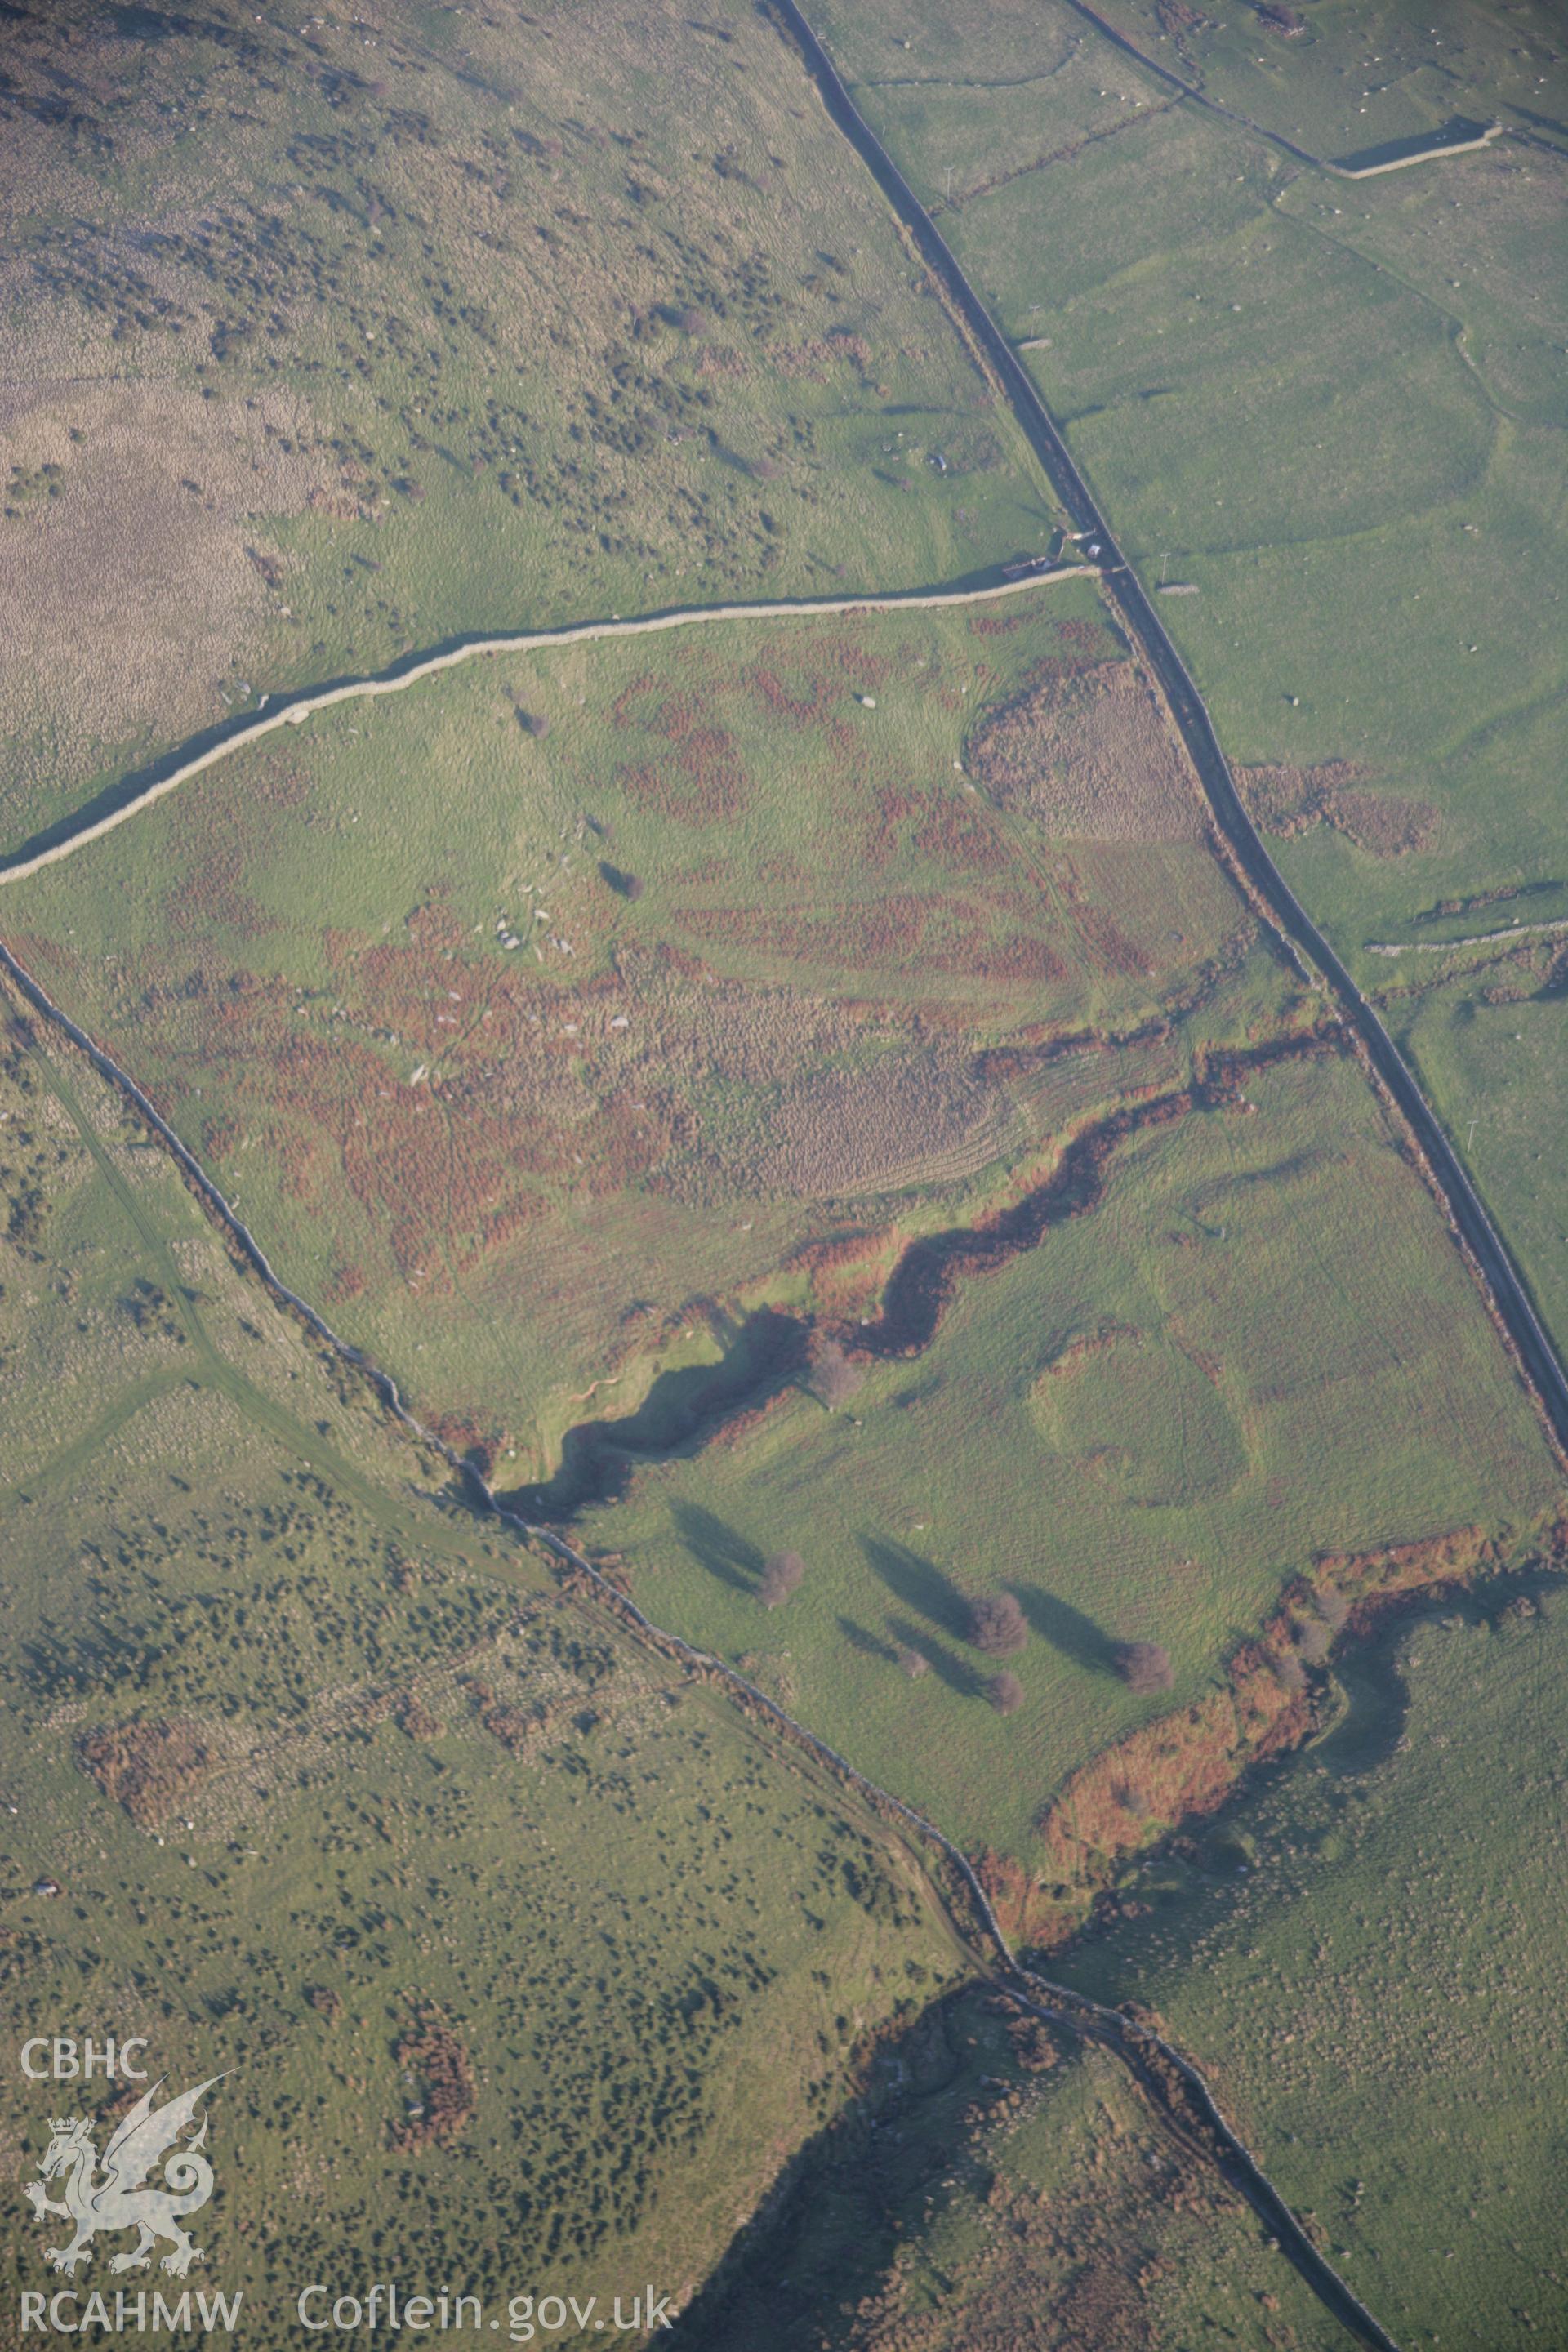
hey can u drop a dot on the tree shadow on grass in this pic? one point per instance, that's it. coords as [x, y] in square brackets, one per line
[721, 1549]
[869, 1644]
[919, 1584]
[957, 1672]
[1076, 1637]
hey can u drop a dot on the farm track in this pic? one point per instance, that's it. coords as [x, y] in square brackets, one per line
[1500, 1280]
[131, 797]
[1174, 2085]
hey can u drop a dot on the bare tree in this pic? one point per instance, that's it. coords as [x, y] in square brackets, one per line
[997, 1625]
[1144, 1667]
[833, 1379]
[781, 1574]
[534, 722]
[914, 1663]
[1005, 1693]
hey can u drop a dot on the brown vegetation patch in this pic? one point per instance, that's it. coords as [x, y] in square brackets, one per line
[1385, 824]
[449, 2096]
[518, 1729]
[813, 360]
[470, 1434]
[1354, 1579]
[906, 1118]
[1087, 636]
[848, 1272]
[934, 931]
[1290, 801]
[448, 1166]
[149, 1769]
[701, 778]
[128, 595]
[414, 1718]
[1081, 1352]
[1187, 1764]
[1180, 1765]
[955, 834]
[225, 836]
[531, 1094]
[1087, 752]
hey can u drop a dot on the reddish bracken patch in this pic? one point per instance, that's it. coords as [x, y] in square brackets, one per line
[477, 1439]
[1087, 636]
[508, 1109]
[935, 931]
[148, 1767]
[442, 2076]
[1186, 1764]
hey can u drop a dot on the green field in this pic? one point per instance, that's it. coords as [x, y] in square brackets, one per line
[1254, 1350]
[1367, 1955]
[1335, 410]
[1363, 1954]
[801, 1086]
[591, 1171]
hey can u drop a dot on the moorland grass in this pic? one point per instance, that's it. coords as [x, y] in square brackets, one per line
[1367, 1954]
[991, 2183]
[1334, 410]
[510, 1121]
[470, 324]
[493, 1924]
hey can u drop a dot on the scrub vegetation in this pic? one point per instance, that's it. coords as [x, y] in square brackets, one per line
[1369, 1947]
[330, 336]
[493, 1922]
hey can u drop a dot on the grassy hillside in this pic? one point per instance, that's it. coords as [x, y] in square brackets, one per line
[990, 2189]
[493, 1924]
[545, 1059]
[1363, 1954]
[804, 1102]
[330, 337]
[1250, 1352]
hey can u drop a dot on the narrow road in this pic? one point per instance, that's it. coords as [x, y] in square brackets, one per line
[64, 840]
[1502, 1278]
[1175, 2086]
